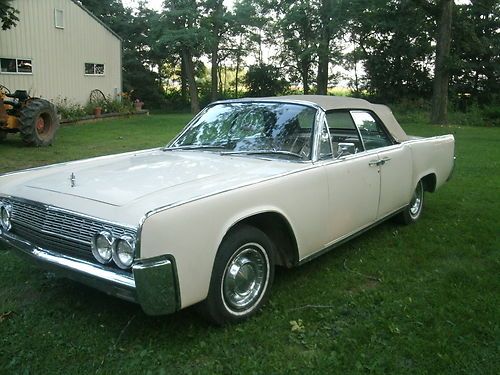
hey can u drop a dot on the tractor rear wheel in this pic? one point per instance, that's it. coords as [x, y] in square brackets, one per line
[38, 122]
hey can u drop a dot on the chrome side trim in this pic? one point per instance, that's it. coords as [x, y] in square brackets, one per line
[183, 202]
[311, 165]
[347, 238]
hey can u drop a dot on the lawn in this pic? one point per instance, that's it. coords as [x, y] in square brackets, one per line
[420, 299]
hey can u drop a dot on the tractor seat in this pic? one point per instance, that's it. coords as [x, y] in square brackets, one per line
[22, 95]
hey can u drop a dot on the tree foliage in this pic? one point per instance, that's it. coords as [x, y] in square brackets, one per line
[140, 65]
[396, 52]
[389, 45]
[8, 14]
[264, 80]
[475, 50]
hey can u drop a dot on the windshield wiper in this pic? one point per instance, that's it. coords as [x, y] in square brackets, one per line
[193, 147]
[263, 152]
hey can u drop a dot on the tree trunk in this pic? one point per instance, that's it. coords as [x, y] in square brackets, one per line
[322, 78]
[184, 85]
[238, 62]
[187, 57]
[304, 72]
[214, 92]
[236, 82]
[356, 80]
[439, 112]
[324, 49]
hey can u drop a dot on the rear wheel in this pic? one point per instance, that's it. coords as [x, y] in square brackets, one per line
[413, 211]
[38, 122]
[241, 278]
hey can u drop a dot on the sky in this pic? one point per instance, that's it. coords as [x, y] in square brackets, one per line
[157, 4]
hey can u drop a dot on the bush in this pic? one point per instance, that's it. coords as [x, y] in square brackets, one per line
[69, 110]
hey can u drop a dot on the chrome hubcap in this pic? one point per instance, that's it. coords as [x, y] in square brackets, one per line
[416, 201]
[245, 277]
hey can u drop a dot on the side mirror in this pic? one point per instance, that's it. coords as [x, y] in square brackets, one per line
[346, 149]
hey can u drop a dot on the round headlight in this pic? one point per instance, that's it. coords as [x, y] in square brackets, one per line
[123, 251]
[5, 216]
[102, 247]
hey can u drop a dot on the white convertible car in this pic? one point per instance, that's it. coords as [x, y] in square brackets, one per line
[247, 185]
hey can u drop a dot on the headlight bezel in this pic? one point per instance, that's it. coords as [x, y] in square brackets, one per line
[6, 209]
[128, 241]
[108, 236]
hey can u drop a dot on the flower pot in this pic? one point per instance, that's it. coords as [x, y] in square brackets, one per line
[97, 111]
[138, 106]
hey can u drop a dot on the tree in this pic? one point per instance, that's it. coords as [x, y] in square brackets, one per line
[247, 23]
[216, 23]
[264, 80]
[140, 65]
[395, 52]
[182, 30]
[439, 111]
[475, 51]
[8, 14]
[325, 35]
[297, 25]
[331, 22]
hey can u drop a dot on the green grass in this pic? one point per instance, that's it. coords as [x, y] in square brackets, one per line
[421, 299]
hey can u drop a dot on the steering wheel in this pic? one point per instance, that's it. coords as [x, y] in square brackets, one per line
[4, 89]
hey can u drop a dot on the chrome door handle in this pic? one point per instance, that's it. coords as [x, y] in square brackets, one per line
[373, 163]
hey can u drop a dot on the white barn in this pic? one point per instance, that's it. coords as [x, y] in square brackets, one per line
[60, 50]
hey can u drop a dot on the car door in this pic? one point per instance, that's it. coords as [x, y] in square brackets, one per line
[354, 185]
[394, 162]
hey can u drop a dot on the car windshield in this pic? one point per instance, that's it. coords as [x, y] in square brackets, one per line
[272, 129]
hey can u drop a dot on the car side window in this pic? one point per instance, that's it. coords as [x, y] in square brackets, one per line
[372, 132]
[343, 130]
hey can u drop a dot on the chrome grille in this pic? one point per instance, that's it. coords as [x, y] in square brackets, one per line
[58, 230]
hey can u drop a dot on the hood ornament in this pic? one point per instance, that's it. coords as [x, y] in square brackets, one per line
[72, 179]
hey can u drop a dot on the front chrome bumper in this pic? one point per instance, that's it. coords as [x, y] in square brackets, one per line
[152, 283]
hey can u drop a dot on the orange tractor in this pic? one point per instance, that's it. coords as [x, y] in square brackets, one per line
[35, 118]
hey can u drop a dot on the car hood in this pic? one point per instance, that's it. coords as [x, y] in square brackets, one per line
[124, 179]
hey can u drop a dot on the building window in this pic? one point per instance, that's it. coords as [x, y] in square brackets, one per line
[92, 69]
[17, 66]
[59, 18]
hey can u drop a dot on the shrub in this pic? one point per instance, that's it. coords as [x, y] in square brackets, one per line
[69, 110]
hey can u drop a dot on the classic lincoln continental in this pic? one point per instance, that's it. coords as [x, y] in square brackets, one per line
[247, 185]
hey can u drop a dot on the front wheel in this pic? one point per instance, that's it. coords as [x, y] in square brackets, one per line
[413, 211]
[242, 276]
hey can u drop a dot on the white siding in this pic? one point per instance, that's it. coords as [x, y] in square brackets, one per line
[59, 54]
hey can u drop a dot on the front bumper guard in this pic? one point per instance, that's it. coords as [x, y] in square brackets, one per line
[152, 283]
